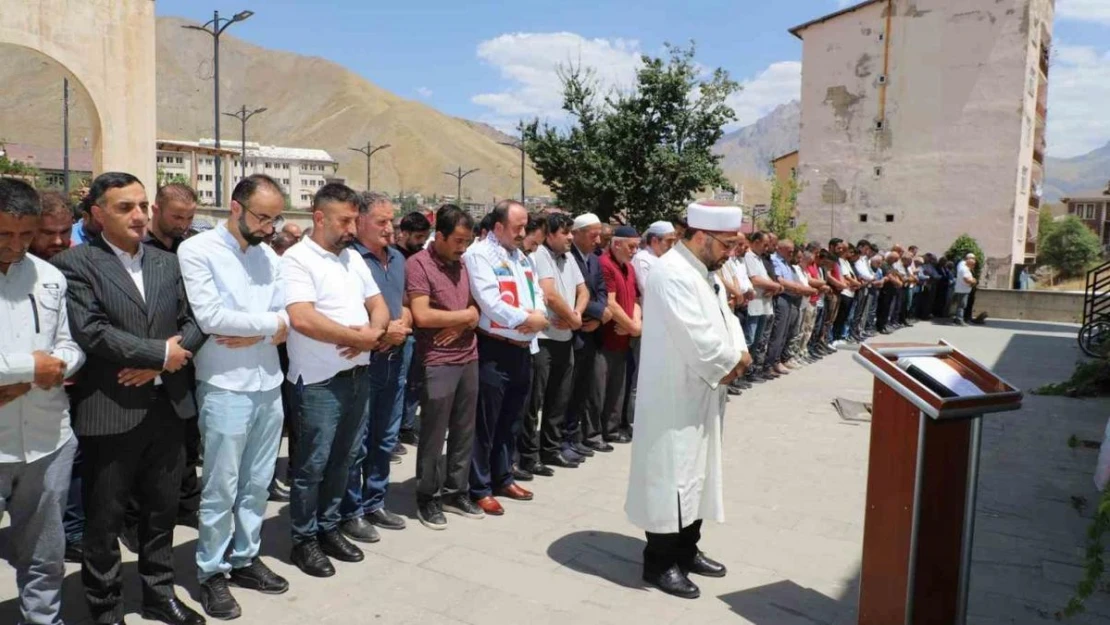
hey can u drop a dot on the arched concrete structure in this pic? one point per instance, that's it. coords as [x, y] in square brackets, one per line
[108, 47]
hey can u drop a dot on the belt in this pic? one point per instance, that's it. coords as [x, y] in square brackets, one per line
[520, 344]
[389, 354]
[352, 372]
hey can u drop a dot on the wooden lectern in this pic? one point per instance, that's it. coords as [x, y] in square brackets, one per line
[922, 476]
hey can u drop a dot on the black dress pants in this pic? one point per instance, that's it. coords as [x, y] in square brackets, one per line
[666, 550]
[541, 437]
[145, 463]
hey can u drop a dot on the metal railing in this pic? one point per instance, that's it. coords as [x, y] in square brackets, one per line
[1094, 335]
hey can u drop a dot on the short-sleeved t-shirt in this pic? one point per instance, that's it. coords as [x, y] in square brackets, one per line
[567, 276]
[962, 272]
[622, 281]
[390, 277]
[762, 304]
[845, 271]
[447, 286]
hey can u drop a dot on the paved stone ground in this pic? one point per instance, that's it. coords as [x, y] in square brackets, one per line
[795, 482]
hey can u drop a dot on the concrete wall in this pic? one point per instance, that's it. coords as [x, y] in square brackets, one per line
[107, 47]
[1063, 306]
[948, 158]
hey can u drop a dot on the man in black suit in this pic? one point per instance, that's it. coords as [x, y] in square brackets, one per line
[583, 422]
[128, 311]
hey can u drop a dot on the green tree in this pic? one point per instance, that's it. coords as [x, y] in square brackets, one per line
[19, 169]
[165, 178]
[780, 217]
[643, 153]
[408, 204]
[1045, 222]
[1070, 247]
[961, 247]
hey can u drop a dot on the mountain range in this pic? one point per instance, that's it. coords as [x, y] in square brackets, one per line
[315, 103]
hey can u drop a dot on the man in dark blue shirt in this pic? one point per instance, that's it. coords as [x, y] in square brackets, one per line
[363, 506]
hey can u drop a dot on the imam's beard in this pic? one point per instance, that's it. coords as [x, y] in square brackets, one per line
[251, 238]
[712, 263]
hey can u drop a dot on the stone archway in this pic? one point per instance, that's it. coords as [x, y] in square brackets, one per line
[108, 47]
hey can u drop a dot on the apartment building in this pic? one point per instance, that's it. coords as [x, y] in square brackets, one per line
[1093, 208]
[925, 119]
[300, 171]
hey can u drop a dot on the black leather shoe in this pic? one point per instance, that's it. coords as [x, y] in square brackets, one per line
[172, 612]
[582, 450]
[705, 566]
[359, 529]
[216, 599]
[561, 461]
[75, 553]
[522, 475]
[386, 520]
[310, 559]
[399, 449]
[335, 545]
[673, 582]
[596, 446]
[539, 469]
[278, 492]
[409, 437]
[258, 576]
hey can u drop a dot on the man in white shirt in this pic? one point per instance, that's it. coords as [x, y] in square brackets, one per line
[869, 292]
[503, 285]
[338, 316]
[37, 444]
[965, 282]
[761, 308]
[564, 289]
[235, 290]
[659, 238]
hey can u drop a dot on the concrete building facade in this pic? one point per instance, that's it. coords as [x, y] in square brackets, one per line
[300, 171]
[923, 120]
[106, 48]
[1093, 208]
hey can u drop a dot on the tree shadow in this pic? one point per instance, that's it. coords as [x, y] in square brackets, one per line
[613, 557]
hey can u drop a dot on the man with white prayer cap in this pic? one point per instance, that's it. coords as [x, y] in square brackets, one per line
[692, 348]
[659, 238]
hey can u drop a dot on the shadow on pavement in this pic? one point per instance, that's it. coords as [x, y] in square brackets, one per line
[612, 557]
[1032, 326]
[787, 603]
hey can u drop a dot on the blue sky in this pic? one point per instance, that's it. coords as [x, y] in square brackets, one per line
[494, 61]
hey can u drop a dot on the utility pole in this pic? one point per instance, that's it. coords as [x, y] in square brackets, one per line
[243, 115]
[458, 176]
[215, 29]
[519, 145]
[369, 151]
[65, 137]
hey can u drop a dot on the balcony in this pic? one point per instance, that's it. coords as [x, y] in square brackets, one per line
[1034, 201]
[1044, 61]
[1030, 247]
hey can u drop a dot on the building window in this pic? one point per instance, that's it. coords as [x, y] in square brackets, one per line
[285, 165]
[178, 160]
[159, 159]
[889, 218]
[863, 218]
[1024, 180]
[878, 171]
[285, 181]
[1089, 211]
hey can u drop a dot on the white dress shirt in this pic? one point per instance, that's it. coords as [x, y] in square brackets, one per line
[33, 317]
[741, 271]
[643, 261]
[133, 265]
[338, 286]
[846, 272]
[234, 293]
[863, 269]
[503, 285]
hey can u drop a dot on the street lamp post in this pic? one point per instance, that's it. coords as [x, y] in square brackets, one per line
[216, 27]
[369, 151]
[65, 136]
[519, 145]
[458, 176]
[243, 115]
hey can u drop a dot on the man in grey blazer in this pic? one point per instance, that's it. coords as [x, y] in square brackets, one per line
[128, 311]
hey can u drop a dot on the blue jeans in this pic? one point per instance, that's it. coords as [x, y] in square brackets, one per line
[368, 478]
[411, 380]
[331, 421]
[73, 520]
[241, 433]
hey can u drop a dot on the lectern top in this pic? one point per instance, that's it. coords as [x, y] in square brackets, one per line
[939, 379]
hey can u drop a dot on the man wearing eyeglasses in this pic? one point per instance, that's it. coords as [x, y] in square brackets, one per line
[236, 292]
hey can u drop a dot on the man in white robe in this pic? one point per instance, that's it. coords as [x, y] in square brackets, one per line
[692, 348]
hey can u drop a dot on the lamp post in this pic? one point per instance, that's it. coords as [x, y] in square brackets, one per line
[369, 151]
[65, 136]
[458, 176]
[519, 145]
[243, 115]
[216, 27]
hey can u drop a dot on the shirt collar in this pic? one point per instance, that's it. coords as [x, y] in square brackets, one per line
[694, 261]
[315, 247]
[124, 255]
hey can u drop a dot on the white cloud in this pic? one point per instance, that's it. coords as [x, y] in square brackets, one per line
[1078, 90]
[529, 62]
[778, 84]
[1084, 10]
[424, 92]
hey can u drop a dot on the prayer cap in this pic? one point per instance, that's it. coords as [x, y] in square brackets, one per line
[584, 220]
[625, 232]
[714, 218]
[660, 228]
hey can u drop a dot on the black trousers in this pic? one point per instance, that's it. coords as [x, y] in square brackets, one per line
[552, 376]
[189, 498]
[449, 400]
[611, 371]
[145, 463]
[584, 421]
[886, 299]
[629, 417]
[666, 550]
[842, 316]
